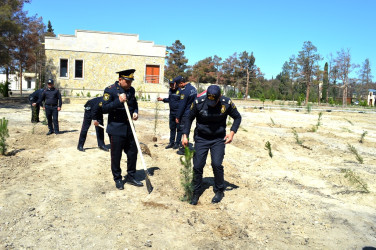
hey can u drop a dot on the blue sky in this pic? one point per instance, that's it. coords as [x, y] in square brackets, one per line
[273, 30]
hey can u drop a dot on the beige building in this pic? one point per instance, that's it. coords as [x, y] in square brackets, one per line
[87, 61]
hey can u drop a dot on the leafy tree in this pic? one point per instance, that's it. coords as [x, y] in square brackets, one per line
[247, 67]
[176, 61]
[365, 75]
[307, 59]
[50, 30]
[218, 66]
[229, 69]
[344, 65]
[204, 71]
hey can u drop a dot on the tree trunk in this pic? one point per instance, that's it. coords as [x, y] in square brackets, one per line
[307, 95]
[319, 91]
[246, 90]
[344, 96]
[21, 79]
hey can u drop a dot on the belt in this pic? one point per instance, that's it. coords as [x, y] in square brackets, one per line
[51, 105]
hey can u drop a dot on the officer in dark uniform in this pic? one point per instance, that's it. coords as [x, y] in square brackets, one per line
[211, 113]
[118, 126]
[33, 98]
[173, 100]
[93, 112]
[188, 94]
[52, 104]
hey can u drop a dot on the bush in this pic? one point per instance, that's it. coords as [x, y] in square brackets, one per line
[4, 89]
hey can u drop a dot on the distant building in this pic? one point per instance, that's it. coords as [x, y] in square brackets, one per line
[371, 98]
[28, 81]
[88, 60]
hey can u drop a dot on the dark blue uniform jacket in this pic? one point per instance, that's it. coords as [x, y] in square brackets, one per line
[34, 97]
[187, 96]
[118, 122]
[51, 97]
[173, 100]
[94, 106]
[211, 121]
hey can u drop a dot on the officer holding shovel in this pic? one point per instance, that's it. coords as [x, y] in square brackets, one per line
[118, 126]
[211, 113]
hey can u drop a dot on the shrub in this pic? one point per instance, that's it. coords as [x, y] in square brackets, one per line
[4, 89]
[4, 133]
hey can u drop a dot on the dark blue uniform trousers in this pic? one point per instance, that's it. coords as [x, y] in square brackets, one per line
[128, 144]
[52, 114]
[85, 127]
[175, 132]
[217, 152]
[35, 113]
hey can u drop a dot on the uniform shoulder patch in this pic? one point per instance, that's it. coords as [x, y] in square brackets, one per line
[100, 104]
[192, 105]
[106, 96]
[223, 109]
[232, 104]
[177, 92]
[182, 97]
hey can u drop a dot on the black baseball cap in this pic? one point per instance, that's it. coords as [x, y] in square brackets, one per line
[179, 79]
[212, 95]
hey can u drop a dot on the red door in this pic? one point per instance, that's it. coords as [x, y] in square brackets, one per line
[152, 74]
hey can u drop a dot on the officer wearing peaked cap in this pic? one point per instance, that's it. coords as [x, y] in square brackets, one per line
[118, 126]
[211, 113]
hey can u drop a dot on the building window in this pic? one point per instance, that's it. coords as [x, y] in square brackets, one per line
[28, 83]
[63, 67]
[79, 69]
[152, 74]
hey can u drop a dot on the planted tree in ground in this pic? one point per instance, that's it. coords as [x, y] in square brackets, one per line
[296, 136]
[316, 127]
[186, 174]
[156, 116]
[355, 180]
[362, 136]
[355, 152]
[268, 147]
[4, 133]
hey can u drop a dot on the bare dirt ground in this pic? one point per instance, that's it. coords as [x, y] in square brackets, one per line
[55, 197]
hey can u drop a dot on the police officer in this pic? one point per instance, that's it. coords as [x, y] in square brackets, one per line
[173, 100]
[188, 94]
[118, 126]
[33, 98]
[93, 112]
[211, 113]
[52, 104]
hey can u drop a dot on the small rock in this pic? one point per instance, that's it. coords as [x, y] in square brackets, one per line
[148, 243]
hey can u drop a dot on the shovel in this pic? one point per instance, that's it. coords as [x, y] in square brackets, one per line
[147, 180]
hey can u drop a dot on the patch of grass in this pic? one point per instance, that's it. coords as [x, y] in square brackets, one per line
[268, 147]
[186, 174]
[355, 180]
[349, 121]
[309, 108]
[346, 130]
[353, 150]
[362, 136]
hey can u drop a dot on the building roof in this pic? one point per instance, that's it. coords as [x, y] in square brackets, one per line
[105, 42]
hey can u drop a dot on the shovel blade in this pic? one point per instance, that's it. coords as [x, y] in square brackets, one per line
[149, 187]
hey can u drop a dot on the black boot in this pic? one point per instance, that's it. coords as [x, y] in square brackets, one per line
[133, 181]
[176, 145]
[194, 199]
[218, 197]
[170, 145]
[104, 148]
[80, 148]
[119, 184]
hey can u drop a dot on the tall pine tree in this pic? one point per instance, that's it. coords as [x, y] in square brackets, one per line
[325, 85]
